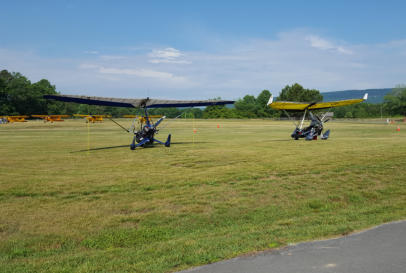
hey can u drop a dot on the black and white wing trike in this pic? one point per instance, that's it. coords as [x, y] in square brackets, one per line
[146, 133]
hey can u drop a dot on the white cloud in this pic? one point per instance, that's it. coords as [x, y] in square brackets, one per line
[158, 61]
[93, 52]
[142, 72]
[167, 55]
[145, 73]
[320, 43]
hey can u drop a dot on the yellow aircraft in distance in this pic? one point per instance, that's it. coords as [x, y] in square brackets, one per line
[51, 118]
[143, 119]
[93, 118]
[12, 119]
[316, 125]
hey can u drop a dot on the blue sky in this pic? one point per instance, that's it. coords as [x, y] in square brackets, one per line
[204, 49]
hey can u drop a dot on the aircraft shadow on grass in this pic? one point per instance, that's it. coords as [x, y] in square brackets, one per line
[191, 142]
[273, 140]
[100, 148]
[126, 146]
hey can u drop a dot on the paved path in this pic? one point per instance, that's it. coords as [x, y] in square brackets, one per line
[378, 250]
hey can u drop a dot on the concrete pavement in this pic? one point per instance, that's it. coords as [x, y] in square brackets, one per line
[378, 250]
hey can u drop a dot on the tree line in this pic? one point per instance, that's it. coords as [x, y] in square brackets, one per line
[18, 96]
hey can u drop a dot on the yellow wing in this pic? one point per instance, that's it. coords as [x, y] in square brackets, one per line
[301, 106]
[101, 116]
[15, 118]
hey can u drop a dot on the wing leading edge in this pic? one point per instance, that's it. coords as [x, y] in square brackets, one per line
[135, 103]
[301, 106]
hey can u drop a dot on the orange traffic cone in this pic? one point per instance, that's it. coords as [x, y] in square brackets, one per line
[218, 125]
[194, 130]
[398, 129]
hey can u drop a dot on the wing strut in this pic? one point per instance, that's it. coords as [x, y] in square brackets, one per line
[304, 115]
[119, 125]
[286, 112]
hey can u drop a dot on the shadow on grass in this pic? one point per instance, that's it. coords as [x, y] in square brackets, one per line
[272, 140]
[146, 146]
[190, 142]
[102, 148]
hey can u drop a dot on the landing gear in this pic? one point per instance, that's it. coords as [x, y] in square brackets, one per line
[168, 141]
[132, 145]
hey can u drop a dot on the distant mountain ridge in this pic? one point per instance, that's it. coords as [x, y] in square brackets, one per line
[374, 95]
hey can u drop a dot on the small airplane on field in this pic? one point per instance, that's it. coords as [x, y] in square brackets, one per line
[51, 118]
[12, 119]
[316, 122]
[146, 133]
[142, 119]
[92, 118]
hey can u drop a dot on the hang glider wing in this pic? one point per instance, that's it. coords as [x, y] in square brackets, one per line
[301, 106]
[135, 103]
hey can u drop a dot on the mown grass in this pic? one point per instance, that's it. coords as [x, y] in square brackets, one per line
[215, 194]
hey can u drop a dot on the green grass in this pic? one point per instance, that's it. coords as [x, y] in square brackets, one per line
[215, 194]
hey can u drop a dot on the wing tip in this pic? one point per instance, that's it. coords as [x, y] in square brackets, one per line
[270, 100]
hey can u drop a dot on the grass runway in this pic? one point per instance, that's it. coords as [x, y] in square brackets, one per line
[214, 194]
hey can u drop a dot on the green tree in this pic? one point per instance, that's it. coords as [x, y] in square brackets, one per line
[218, 111]
[6, 106]
[395, 102]
[348, 115]
[247, 107]
[262, 102]
[19, 96]
[296, 92]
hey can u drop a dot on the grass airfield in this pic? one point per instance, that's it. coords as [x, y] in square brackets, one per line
[75, 198]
